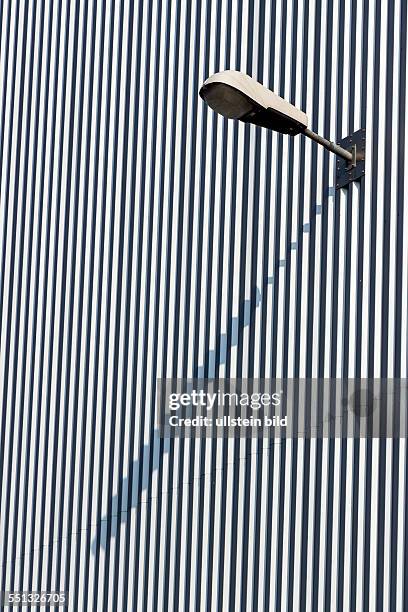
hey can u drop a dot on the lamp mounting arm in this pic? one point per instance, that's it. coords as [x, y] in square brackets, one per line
[350, 156]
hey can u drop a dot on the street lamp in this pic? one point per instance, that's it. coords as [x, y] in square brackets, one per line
[237, 96]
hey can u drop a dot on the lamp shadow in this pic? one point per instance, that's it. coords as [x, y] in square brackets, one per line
[118, 516]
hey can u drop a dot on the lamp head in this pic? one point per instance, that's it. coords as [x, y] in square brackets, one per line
[237, 96]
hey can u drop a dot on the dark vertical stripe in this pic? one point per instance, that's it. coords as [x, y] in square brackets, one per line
[84, 317]
[106, 128]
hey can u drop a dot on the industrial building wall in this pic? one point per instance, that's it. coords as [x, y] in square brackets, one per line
[142, 236]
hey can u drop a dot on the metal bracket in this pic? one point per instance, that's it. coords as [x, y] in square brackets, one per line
[347, 172]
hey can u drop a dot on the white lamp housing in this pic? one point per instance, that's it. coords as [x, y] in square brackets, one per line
[238, 96]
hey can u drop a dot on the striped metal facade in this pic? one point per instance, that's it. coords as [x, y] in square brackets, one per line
[142, 236]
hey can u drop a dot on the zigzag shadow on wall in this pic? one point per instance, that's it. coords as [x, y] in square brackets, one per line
[226, 342]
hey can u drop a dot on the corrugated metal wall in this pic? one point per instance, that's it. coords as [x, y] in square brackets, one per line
[142, 236]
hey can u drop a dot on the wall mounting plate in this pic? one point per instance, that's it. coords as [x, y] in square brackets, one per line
[347, 172]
